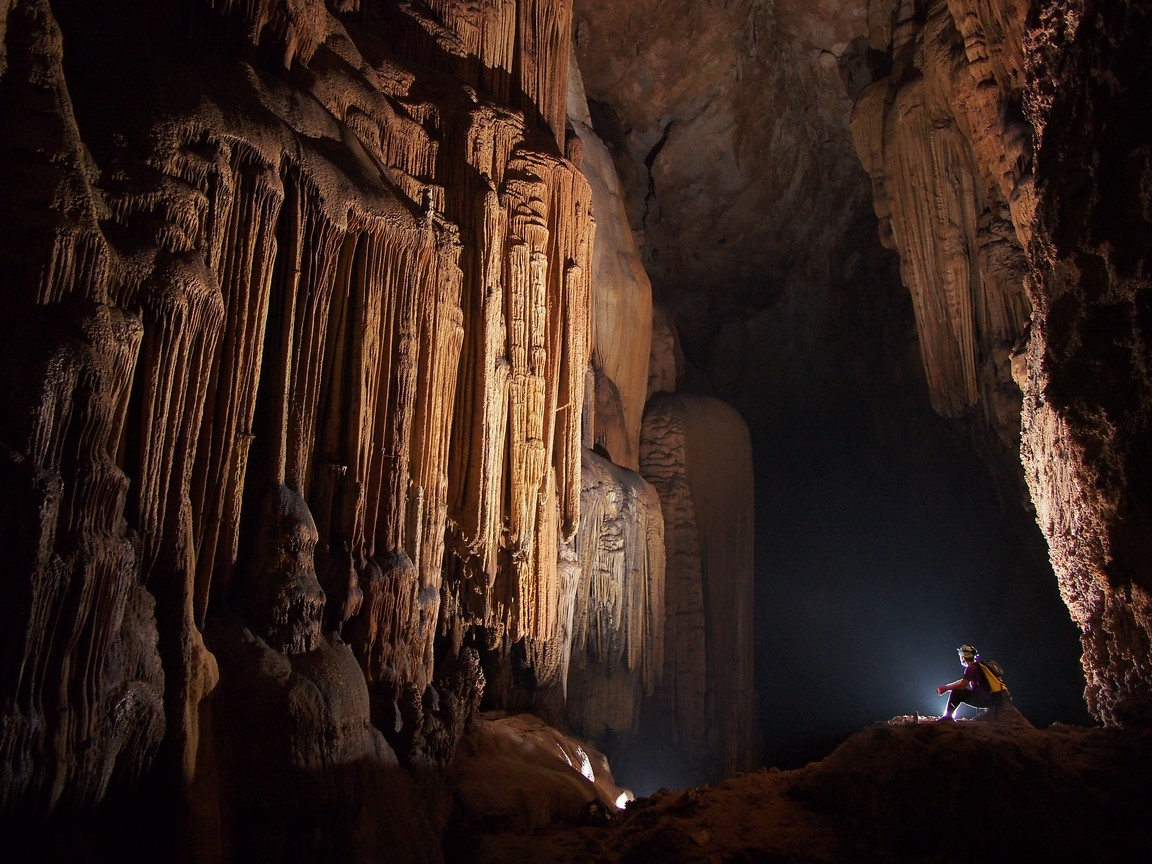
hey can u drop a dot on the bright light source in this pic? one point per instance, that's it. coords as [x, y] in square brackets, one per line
[623, 798]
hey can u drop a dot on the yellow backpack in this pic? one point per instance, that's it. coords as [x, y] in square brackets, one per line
[994, 675]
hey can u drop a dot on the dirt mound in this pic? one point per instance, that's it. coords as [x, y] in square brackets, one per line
[894, 792]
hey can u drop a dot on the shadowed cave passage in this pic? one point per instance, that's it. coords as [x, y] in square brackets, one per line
[884, 539]
[884, 560]
[887, 536]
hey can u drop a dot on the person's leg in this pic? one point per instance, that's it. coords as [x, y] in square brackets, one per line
[955, 697]
[976, 698]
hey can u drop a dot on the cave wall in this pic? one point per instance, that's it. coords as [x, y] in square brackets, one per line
[307, 345]
[1086, 384]
[728, 126]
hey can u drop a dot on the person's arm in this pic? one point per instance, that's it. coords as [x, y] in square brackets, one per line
[958, 684]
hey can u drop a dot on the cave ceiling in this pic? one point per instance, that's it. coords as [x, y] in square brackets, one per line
[729, 127]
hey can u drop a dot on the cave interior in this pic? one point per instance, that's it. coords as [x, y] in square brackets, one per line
[426, 427]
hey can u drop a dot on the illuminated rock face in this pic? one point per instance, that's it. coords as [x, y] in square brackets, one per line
[303, 361]
[315, 311]
[277, 336]
[1087, 388]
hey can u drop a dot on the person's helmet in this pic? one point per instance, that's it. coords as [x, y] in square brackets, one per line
[967, 652]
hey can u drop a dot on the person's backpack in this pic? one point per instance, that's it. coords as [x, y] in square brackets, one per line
[994, 675]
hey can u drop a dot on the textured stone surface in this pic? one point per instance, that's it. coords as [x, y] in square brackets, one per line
[1087, 385]
[1005, 211]
[298, 348]
[728, 124]
[271, 320]
[305, 305]
[618, 639]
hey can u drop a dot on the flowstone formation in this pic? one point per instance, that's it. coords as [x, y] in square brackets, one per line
[307, 345]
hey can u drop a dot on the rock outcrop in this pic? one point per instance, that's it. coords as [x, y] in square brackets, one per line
[545, 777]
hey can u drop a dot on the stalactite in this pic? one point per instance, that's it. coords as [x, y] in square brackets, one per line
[297, 27]
[440, 341]
[307, 270]
[573, 242]
[543, 34]
[523, 382]
[526, 277]
[936, 236]
[243, 270]
[387, 402]
[516, 51]
[79, 639]
[478, 469]
[336, 307]
[479, 465]
[941, 140]
[490, 38]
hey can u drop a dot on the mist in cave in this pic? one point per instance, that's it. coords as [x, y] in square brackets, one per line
[886, 537]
